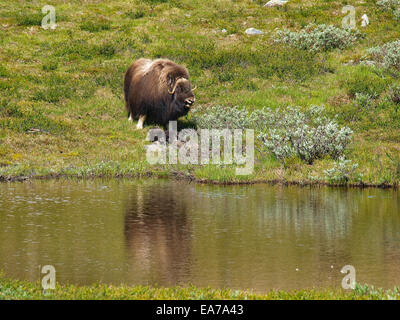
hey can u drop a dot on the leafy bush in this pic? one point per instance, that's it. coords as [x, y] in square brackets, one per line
[388, 54]
[319, 37]
[396, 163]
[219, 117]
[394, 94]
[309, 135]
[364, 101]
[341, 172]
[388, 4]
[283, 132]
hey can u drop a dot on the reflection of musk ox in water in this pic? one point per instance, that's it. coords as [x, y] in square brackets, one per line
[157, 233]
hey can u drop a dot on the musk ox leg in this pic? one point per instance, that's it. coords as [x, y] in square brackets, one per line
[130, 117]
[140, 122]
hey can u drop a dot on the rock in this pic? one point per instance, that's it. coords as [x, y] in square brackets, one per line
[275, 3]
[253, 31]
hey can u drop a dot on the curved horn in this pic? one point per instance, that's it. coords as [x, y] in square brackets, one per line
[174, 88]
[195, 87]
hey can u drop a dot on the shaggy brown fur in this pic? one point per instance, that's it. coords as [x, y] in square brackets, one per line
[158, 91]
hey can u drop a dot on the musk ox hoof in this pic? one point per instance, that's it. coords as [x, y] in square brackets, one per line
[140, 122]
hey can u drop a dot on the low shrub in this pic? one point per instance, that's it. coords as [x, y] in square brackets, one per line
[364, 101]
[394, 94]
[319, 37]
[388, 55]
[285, 133]
[396, 14]
[341, 172]
[309, 135]
[388, 5]
[219, 117]
[391, 6]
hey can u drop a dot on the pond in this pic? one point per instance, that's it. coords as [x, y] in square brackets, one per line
[163, 233]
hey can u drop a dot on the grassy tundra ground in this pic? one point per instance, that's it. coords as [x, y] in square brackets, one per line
[13, 289]
[61, 97]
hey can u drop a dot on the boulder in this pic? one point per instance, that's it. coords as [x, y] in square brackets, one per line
[253, 31]
[275, 3]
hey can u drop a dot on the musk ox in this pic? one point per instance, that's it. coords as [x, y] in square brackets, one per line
[157, 91]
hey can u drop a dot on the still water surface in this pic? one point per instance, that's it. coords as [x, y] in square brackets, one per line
[168, 233]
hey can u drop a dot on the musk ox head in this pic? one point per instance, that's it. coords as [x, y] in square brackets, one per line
[182, 95]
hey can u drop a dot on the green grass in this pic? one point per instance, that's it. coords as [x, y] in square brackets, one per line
[24, 290]
[61, 98]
